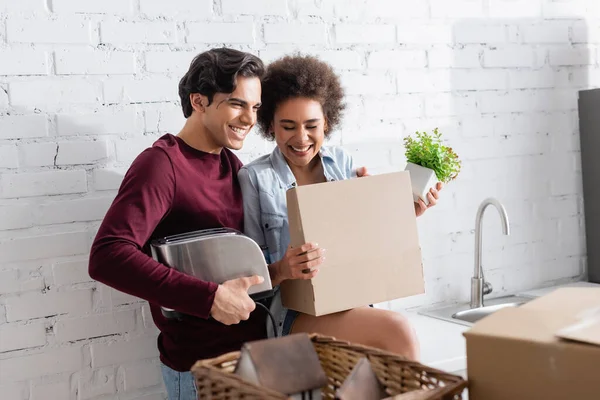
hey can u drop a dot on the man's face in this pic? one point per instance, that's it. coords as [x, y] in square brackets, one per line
[231, 116]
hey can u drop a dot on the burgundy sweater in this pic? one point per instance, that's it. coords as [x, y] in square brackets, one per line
[173, 188]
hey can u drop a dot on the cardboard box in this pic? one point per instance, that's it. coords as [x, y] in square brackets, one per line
[369, 230]
[548, 348]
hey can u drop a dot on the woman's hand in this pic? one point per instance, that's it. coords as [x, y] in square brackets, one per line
[432, 196]
[299, 263]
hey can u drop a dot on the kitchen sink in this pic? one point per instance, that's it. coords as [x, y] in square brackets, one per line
[465, 315]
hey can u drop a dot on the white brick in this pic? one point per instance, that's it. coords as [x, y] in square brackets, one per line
[566, 9]
[62, 30]
[119, 298]
[166, 119]
[304, 8]
[256, 7]
[295, 33]
[37, 154]
[141, 376]
[152, 89]
[584, 32]
[19, 336]
[169, 62]
[523, 101]
[199, 9]
[518, 56]
[105, 354]
[397, 59]
[37, 305]
[18, 7]
[548, 32]
[513, 8]
[367, 83]
[23, 62]
[457, 9]
[466, 79]
[150, 396]
[54, 93]
[79, 210]
[112, 323]
[43, 183]
[89, 62]
[361, 33]
[18, 281]
[448, 57]
[546, 78]
[14, 391]
[51, 391]
[98, 383]
[377, 9]
[478, 32]
[104, 122]
[76, 153]
[9, 157]
[401, 106]
[447, 104]
[91, 6]
[221, 32]
[39, 247]
[66, 359]
[421, 81]
[107, 178]
[578, 55]
[424, 33]
[150, 32]
[128, 150]
[3, 97]
[15, 217]
[23, 126]
[341, 59]
[71, 272]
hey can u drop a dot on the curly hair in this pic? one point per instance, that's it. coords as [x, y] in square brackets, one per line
[300, 76]
[216, 71]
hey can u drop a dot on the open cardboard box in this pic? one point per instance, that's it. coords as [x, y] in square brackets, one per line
[548, 348]
[368, 227]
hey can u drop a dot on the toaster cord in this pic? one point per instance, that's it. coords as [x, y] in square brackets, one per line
[270, 316]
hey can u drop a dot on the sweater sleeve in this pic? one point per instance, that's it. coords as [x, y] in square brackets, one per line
[117, 258]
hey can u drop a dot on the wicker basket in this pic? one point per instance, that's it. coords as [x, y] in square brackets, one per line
[215, 380]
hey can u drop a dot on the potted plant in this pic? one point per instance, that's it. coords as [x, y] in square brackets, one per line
[429, 162]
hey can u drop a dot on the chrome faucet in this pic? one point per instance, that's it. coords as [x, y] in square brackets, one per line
[479, 287]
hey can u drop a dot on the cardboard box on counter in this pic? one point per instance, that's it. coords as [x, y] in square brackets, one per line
[548, 348]
[369, 230]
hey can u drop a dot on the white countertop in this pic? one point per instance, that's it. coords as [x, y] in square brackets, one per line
[443, 345]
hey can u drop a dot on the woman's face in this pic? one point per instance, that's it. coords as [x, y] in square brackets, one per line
[299, 126]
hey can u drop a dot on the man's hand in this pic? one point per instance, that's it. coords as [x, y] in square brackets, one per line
[232, 303]
[432, 196]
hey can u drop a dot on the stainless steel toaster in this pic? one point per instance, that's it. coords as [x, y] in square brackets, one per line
[214, 255]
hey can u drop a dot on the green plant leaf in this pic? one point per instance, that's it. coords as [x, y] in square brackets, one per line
[428, 151]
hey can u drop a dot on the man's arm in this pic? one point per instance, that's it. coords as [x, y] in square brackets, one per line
[116, 257]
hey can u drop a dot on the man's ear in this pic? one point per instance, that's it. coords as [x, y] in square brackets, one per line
[199, 102]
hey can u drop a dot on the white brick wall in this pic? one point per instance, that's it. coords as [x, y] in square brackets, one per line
[86, 85]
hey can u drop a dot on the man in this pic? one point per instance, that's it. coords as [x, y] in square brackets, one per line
[185, 183]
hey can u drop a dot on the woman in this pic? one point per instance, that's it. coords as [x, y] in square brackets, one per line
[301, 105]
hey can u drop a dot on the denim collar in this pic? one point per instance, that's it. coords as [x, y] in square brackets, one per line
[287, 180]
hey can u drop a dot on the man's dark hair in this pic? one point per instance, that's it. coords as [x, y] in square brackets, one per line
[216, 71]
[300, 76]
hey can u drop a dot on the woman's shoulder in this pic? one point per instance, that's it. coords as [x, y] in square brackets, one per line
[259, 170]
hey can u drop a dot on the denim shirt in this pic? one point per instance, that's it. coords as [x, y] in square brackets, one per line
[264, 183]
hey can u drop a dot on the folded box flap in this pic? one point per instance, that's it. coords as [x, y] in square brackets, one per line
[521, 324]
[586, 330]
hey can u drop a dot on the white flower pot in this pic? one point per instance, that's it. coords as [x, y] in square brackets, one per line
[422, 179]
